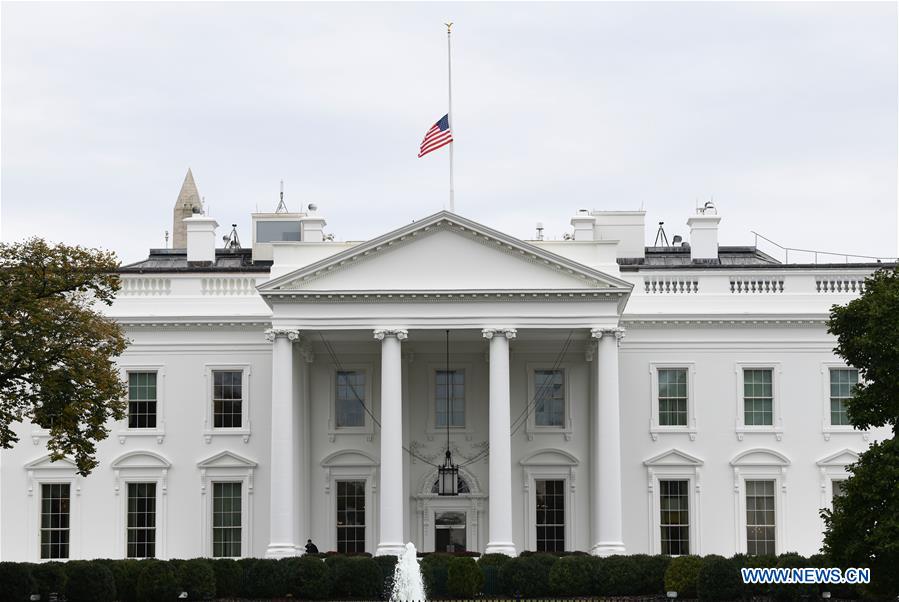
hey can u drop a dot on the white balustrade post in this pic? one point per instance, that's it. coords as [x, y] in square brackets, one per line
[390, 489]
[606, 519]
[283, 510]
[500, 539]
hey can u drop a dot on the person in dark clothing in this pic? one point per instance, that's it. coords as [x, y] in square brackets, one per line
[311, 548]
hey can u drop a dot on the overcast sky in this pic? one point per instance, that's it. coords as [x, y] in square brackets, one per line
[785, 113]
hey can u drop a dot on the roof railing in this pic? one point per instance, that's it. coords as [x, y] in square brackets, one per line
[845, 256]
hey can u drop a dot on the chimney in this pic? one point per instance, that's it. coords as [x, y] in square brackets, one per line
[627, 227]
[583, 224]
[200, 238]
[313, 225]
[704, 233]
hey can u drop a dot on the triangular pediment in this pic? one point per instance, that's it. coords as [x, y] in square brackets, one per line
[46, 463]
[226, 459]
[843, 457]
[673, 457]
[445, 252]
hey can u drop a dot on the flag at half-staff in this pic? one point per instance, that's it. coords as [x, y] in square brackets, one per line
[438, 136]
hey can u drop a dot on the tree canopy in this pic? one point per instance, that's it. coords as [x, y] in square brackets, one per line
[57, 351]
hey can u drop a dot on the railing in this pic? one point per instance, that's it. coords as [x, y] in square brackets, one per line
[840, 284]
[228, 286]
[145, 287]
[815, 253]
[757, 285]
[675, 285]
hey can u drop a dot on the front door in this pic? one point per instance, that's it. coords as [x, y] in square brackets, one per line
[449, 531]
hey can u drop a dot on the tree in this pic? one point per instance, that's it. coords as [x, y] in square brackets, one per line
[57, 351]
[863, 527]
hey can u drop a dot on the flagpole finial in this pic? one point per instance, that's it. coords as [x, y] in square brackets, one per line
[449, 26]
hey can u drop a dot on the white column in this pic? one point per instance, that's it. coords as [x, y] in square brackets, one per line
[499, 537]
[606, 523]
[392, 509]
[283, 462]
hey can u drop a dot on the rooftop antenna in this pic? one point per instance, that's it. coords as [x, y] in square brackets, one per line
[282, 208]
[166, 239]
[232, 242]
[539, 230]
[660, 234]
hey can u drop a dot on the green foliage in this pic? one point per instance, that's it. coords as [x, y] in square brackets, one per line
[867, 331]
[156, 582]
[197, 578]
[354, 577]
[228, 577]
[785, 591]
[307, 577]
[49, 577]
[760, 562]
[528, 576]
[650, 574]
[572, 576]
[617, 576]
[57, 363]
[265, 578]
[89, 581]
[434, 569]
[16, 582]
[387, 566]
[682, 574]
[719, 579]
[125, 574]
[491, 566]
[463, 578]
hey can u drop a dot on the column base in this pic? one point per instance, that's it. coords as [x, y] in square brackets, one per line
[390, 549]
[501, 547]
[281, 550]
[607, 548]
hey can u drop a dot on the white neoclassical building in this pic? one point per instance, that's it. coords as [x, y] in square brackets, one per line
[597, 394]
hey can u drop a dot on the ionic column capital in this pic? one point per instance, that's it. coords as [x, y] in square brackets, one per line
[382, 333]
[292, 334]
[617, 331]
[489, 333]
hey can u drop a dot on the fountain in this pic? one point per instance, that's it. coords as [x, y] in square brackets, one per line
[407, 583]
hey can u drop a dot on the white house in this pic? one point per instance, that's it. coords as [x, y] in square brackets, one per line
[598, 394]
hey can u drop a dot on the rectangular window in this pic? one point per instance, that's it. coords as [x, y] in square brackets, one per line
[141, 520]
[758, 397]
[55, 520]
[549, 397]
[450, 398]
[842, 382]
[349, 405]
[227, 398]
[760, 520]
[674, 520]
[141, 400]
[226, 519]
[836, 487]
[550, 505]
[350, 516]
[672, 396]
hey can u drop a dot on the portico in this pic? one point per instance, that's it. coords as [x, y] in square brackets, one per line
[380, 296]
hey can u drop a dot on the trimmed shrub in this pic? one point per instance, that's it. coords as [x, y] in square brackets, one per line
[681, 576]
[651, 574]
[89, 581]
[49, 577]
[793, 591]
[157, 582]
[719, 579]
[491, 566]
[463, 577]
[572, 576]
[16, 582]
[387, 566]
[354, 576]
[434, 574]
[616, 576]
[125, 573]
[528, 576]
[197, 578]
[264, 578]
[228, 577]
[307, 577]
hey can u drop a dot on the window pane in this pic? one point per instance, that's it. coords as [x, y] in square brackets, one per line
[226, 519]
[758, 397]
[842, 383]
[674, 519]
[55, 520]
[449, 398]
[549, 397]
[672, 396]
[550, 505]
[141, 400]
[760, 519]
[227, 398]
[349, 403]
[141, 519]
[351, 516]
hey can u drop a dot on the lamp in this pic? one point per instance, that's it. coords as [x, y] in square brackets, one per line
[448, 474]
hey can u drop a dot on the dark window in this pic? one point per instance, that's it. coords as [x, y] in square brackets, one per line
[277, 230]
[226, 519]
[227, 398]
[141, 520]
[350, 516]
[550, 506]
[842, 383]
[350, 399]
[672, 397]
[549, 395]
[55, 520]
[760, 518]
[675, 517]
[450, 398]
[141, 400]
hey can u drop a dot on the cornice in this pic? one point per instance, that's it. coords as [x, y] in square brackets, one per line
[452, 296]
[188, 322]
[722, 322]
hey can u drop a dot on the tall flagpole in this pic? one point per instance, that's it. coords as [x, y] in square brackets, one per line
[449, 61]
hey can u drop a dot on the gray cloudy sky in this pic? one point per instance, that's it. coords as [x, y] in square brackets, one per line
[786, 113]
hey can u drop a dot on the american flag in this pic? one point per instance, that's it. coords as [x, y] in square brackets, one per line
[438, 136]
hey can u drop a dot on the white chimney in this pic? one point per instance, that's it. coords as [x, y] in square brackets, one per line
[704, 233]
[583, 224]
[313, 225]
[627, 227]
[200, 238]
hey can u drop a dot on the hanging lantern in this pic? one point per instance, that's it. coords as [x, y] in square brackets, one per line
[448, 477]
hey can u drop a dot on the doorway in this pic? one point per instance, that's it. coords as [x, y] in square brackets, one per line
[449, 531]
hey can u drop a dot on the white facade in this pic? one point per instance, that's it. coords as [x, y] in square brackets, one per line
[603, 315]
